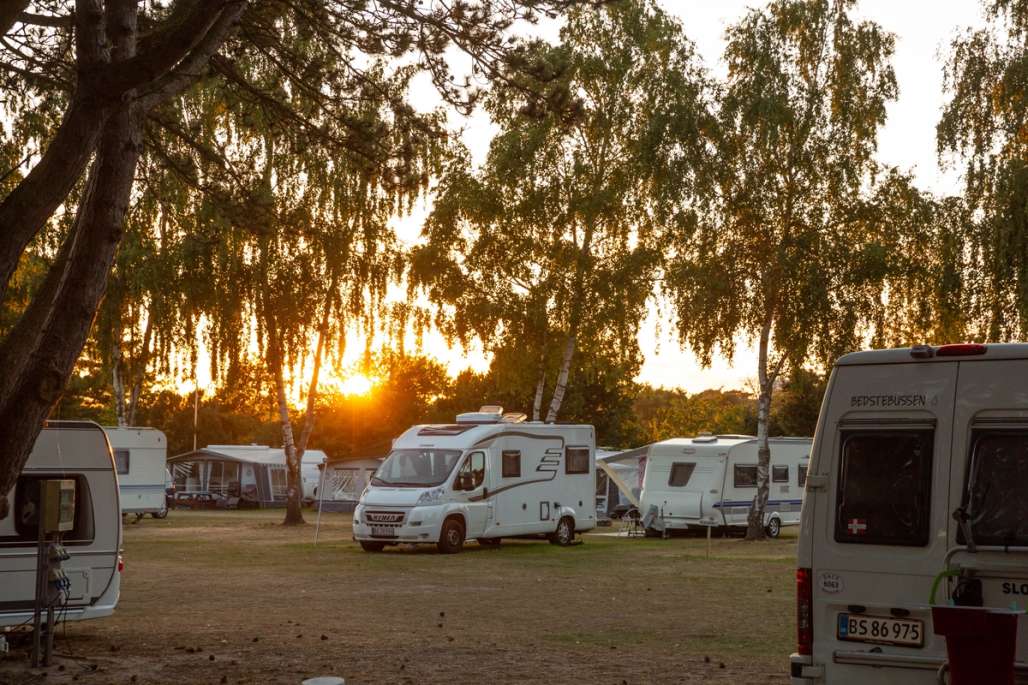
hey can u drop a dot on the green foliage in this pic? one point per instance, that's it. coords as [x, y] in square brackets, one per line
[665, 414]
[985, 124]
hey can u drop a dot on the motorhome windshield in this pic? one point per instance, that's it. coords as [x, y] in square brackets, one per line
[416, 468]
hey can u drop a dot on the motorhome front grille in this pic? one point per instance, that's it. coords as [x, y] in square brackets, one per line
[384, 517]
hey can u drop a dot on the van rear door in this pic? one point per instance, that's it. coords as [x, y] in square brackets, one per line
[880, 509]
[989, 477]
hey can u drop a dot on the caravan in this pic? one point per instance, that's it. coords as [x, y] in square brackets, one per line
[485, 477]
[710, 481]
[77, 451]
[141, 458]
[916, 497]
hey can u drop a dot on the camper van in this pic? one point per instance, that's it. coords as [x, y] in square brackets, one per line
[916, 487]
[710, 481]
[487, 476]
[77, 451]
[141, 459]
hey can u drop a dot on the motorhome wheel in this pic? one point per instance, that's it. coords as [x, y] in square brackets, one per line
[451, 539]
[370, 546]
[565, 533]
[774, 527]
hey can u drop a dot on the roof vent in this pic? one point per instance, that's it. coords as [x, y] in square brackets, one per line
[514, 417]
[490, 413]
[704, 438]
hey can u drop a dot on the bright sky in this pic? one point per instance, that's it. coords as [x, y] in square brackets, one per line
[923, 29]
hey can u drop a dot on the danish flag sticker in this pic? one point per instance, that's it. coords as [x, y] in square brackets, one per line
[857, 527]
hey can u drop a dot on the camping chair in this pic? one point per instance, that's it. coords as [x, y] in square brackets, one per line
[631, 524]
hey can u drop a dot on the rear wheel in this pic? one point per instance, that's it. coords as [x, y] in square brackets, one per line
[162, 514]
[774, 527]
[565, 533]
[370, 546]
[451, 538]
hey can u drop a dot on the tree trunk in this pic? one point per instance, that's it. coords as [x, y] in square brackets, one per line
[755, 520]
[294, 486]
[562, 377]
[139, 372]
[537, 403]
[118, 386]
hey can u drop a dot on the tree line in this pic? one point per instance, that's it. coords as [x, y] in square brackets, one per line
[225, 174]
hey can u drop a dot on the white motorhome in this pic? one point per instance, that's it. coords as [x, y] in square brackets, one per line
[141, 459]
[485, 477]
[76, 450]
[908, 442]
[710, 481]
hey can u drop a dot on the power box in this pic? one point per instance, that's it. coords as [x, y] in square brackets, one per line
[57, 504]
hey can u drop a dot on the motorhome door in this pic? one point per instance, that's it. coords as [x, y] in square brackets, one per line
[471, 483]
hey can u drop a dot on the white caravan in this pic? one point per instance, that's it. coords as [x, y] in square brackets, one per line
[141, 459]
[906, 440]
[710, 480]
[76, 450]
[487, 476]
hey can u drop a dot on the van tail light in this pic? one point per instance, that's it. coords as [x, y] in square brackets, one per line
[804, 611]
[121, 564]
[961, 350]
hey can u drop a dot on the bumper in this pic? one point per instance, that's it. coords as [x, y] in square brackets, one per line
[419, 525]
[803, 671]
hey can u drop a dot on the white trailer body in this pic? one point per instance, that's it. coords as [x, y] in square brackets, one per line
[906, 438]
[483, 478]
[76, 450]
[141, 459]
[311, 465]
[711, 481]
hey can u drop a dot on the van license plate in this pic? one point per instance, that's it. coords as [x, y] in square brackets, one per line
[383, 532]
[881, 629]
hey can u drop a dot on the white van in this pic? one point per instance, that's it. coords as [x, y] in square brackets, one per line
[141, 459]
[710, 480]
[906, 438]
[75, 450]
[485, 477]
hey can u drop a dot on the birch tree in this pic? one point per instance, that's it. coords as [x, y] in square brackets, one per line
[106, 68]
[787, 253]
[554, 237]
[984, 128]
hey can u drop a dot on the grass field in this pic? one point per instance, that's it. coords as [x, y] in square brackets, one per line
[233, 597]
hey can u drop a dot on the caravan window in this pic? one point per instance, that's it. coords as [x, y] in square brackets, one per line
[744, 475]
[511, 463]
[994, 494]
[121, 461]
[577, 460]
[802, 475]
[680, 474]
[25, 516]
[780, 474]
[884, 491]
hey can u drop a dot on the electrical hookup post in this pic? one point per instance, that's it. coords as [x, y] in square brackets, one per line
[55, 512]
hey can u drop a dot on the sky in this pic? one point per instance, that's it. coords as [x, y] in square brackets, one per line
[923, 30]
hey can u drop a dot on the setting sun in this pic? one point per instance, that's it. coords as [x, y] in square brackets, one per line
[356, 384]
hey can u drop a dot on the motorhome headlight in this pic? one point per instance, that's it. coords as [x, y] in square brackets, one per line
[432, 496]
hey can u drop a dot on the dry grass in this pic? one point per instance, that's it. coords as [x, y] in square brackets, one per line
[234, 597]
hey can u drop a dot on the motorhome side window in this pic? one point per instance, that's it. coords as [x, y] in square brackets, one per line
[26, 513]
[884, 487]
[780, 474]
[681, 472]
[511, 463]
[994, 494]
[121, 461]
[577, 460]
[472, 472]
[744, 475]
[801, 475]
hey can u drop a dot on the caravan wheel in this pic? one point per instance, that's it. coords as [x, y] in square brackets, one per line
[162, 514]
[565, 533]
[774, 527]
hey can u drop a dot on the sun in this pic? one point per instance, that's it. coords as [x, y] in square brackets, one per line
[356, 384]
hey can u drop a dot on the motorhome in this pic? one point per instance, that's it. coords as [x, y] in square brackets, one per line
[78, 451]
[916, 487]
[710, 481]
[487, 476]
[141, 459]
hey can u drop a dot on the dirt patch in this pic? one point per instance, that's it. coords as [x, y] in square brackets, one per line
[229, 597]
